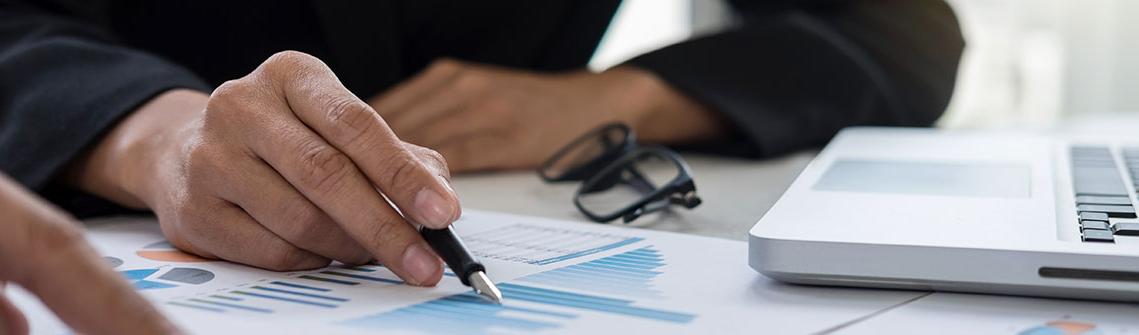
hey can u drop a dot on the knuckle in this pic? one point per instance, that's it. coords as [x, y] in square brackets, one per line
[497, 105]
[353, 117]
[308, 222]
[202, 164]
[323, 167]
[385, 233]
[397, 167]
[232, 90]
[289, 59]
[445, 66]
[229, 96]
[285, 257]
[361, 257]
[285, 64]
[471, 82]
[435, 157]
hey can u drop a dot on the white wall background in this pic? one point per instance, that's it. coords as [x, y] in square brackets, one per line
[1027, 61]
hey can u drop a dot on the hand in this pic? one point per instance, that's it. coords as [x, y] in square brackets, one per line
[281, 169]
[43, 250]
[481, 117]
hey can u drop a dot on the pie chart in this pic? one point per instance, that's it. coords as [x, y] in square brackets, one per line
[165, 252]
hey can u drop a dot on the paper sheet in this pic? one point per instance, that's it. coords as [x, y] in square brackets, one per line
[953, 313]
[556, 276]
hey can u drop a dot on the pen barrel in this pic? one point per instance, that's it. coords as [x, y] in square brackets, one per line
[448, 245]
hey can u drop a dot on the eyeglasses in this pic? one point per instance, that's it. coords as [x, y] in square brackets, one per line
[621, 179]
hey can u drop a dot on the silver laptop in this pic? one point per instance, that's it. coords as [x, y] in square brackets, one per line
[986, 212]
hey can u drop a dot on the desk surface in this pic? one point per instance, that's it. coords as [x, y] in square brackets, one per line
[736, 193]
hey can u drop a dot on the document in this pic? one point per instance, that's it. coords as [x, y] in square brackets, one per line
[556, 277]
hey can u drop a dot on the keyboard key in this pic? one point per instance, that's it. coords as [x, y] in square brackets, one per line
[1111, 210]
[1096, 235]
[1093, 216]
[1093, 224]
[1127, 228]
[1102, 200]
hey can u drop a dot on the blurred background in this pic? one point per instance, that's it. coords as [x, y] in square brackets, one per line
[1026, 62]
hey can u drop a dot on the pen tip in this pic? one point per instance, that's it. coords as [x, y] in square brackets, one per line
[485, 288]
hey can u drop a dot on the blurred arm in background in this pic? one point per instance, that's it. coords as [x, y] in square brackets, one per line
[787, 77]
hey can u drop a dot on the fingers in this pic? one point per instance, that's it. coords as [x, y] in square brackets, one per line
[330, 180]
[423, 85]
[475, 152]
[434, 161]
[231, 234]
[279, 207]
[352, 127]
[44, 251]
[437, 106]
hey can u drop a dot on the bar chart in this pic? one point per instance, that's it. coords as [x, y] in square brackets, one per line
[628, 274]
[547, 305]
[528, 309]
[541, 245]
[307, 290]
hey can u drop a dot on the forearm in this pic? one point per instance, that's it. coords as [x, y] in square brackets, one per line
[112, 169]
[66, 85]
[660, 113]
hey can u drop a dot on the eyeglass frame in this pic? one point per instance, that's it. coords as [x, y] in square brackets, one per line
[681, 190]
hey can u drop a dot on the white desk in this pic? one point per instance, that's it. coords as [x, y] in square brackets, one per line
[736, 194]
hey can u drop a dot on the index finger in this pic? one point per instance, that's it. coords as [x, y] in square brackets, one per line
[319, 100]
[43, 251]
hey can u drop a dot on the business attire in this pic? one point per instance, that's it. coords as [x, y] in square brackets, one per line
[787, 76]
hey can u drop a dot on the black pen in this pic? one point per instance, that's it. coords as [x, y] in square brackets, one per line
[470, 272]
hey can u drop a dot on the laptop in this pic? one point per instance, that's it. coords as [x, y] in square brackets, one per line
[967, 211]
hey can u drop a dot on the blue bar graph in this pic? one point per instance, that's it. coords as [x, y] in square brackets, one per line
[231, 305]
[302, 294]
[226, 297]
[363, 277]
[301, 286]
[626, 274]
[469, 314]
[329, 280]
[204, 308]
[463, 313]
[279, 298]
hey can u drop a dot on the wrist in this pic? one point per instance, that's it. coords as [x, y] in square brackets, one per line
[125, 164]
[658, 112]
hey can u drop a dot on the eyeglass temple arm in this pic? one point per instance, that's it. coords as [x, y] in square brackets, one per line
[688, 200]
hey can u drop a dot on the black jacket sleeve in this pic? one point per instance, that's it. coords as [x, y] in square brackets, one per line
[793, 73]
[63, 83]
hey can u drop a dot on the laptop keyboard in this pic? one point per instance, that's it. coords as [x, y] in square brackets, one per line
[1101, 194]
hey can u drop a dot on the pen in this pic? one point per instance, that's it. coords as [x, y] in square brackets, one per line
[470, 272]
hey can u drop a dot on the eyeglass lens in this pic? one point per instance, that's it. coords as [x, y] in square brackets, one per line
[586, 151]
[618, 189]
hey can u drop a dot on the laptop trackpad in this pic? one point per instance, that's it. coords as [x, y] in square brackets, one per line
[905, 177]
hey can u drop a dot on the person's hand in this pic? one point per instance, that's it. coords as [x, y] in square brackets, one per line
[281, 169]
[481, 117]
[43, 250]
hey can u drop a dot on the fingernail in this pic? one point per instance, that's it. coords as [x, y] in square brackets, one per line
[433, 209]
[420, 264]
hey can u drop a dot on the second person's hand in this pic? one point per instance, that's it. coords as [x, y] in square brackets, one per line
[281, 169]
